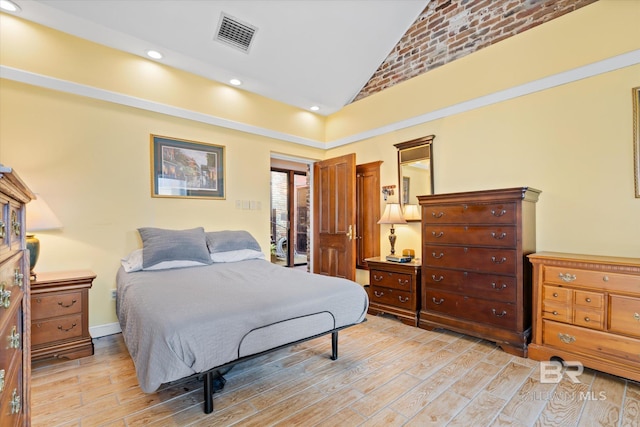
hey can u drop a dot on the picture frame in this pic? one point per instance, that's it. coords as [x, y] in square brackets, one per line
[636, 139]
[186, 169]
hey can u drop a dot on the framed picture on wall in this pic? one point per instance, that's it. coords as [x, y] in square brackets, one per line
[636, 138]
[190, 169]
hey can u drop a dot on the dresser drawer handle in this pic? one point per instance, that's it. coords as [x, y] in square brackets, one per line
[2, 230]
[567, 277]
[586, 319]
[5, 296]
[555, 313]
[500, 213]
[498, 288]
[587, 299]
[14, 338]
[377, 278]
[437, 236]
[66, 329]
[61, 304]
[402, 300]
[403, 282]
[437, 215]
[498, 261]
[636, 316]
[495, 313]
[15, 402]
[437, 279]
[15, 224]
[498, 237]
[437, 302]
[433, 254]
[1, 380]
[566, 338]
[378, 294]
[18, 277]
[555, 295]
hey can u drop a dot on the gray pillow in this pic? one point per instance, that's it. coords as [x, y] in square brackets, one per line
[231, 240]
[160, 245]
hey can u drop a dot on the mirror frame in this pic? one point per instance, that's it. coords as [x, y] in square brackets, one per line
[408, 145]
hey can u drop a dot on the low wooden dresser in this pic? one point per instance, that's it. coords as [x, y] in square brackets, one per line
[587, 309]
[15, 361]
[394, 288]
[60, 315]
[475, 276]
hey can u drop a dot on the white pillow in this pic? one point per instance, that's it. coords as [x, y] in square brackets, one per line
[237, 255]
[135, 259]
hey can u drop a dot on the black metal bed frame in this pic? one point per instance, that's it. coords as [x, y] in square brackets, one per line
[213, 380]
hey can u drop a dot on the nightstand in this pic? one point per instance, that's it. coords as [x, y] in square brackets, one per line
[394, 288]
[60, 315]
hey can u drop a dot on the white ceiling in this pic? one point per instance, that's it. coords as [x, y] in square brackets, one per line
[304, 52]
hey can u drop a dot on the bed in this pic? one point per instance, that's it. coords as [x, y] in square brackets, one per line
[192, 303]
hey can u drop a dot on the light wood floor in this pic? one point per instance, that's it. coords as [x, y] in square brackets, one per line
[387, 374]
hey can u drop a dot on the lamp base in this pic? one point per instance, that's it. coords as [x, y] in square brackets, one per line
[33, 245]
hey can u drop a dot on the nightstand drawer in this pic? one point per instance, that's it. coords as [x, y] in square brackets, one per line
[394, 297]
[58, 304]
[625, 315]
[60, 328]
[388, 279]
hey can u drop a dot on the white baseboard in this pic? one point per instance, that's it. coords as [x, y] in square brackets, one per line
[104, 330]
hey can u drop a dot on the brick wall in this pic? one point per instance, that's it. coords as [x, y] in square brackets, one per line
[450, 29]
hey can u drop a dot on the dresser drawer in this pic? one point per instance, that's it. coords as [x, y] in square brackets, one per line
[591, 342]
[389, 279]
[393, 297]
[493, 213]
[501, 236]
[557, 295]
[490, 286]
[500, 261]
[624, 315]
[12, 396]
[57, 329]
[16, 227]
[11, 339]
[11, 281]
[592, 279]
[57, 304]
[479, 310]
[594, 300]
[589, 318]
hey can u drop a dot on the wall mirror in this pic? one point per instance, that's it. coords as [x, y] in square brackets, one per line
[415, 173]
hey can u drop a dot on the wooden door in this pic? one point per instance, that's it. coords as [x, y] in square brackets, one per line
[334, 210]
[367, 212]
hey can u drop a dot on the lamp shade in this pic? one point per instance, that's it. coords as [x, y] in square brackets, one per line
[40, 216]
[392, 214]
[412, 213]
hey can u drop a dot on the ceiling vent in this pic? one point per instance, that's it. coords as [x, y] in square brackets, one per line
[235, 33]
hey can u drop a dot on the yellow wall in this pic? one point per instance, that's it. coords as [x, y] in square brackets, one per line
[90, 158]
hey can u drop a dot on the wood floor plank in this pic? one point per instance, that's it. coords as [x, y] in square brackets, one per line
[388, 373]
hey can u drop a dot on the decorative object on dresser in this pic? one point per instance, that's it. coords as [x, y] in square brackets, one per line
[393, 215]
[60, 315]
[476, 279]
[40, 217]
[395, 289]
[586, 308]
[15, 358]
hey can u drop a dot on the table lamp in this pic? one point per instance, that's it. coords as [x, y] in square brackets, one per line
[39, 217]
[412, 213]
[392, 215]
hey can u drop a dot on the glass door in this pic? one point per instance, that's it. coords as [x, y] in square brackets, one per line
[289, 217]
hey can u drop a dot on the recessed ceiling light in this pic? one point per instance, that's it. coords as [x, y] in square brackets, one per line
[235, 82]
[151, 53]
[314, 108]
[9, 6]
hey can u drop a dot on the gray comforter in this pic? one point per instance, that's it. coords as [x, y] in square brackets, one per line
[180, 322]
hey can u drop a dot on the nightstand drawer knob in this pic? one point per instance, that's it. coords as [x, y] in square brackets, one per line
[377, 278]
[567, 277]
[73, 325]
[378, 294]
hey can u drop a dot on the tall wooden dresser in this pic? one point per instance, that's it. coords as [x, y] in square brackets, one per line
[475, 276]
[586, 308]
[15, 359]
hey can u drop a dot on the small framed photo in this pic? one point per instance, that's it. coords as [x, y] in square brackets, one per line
[189, 169]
